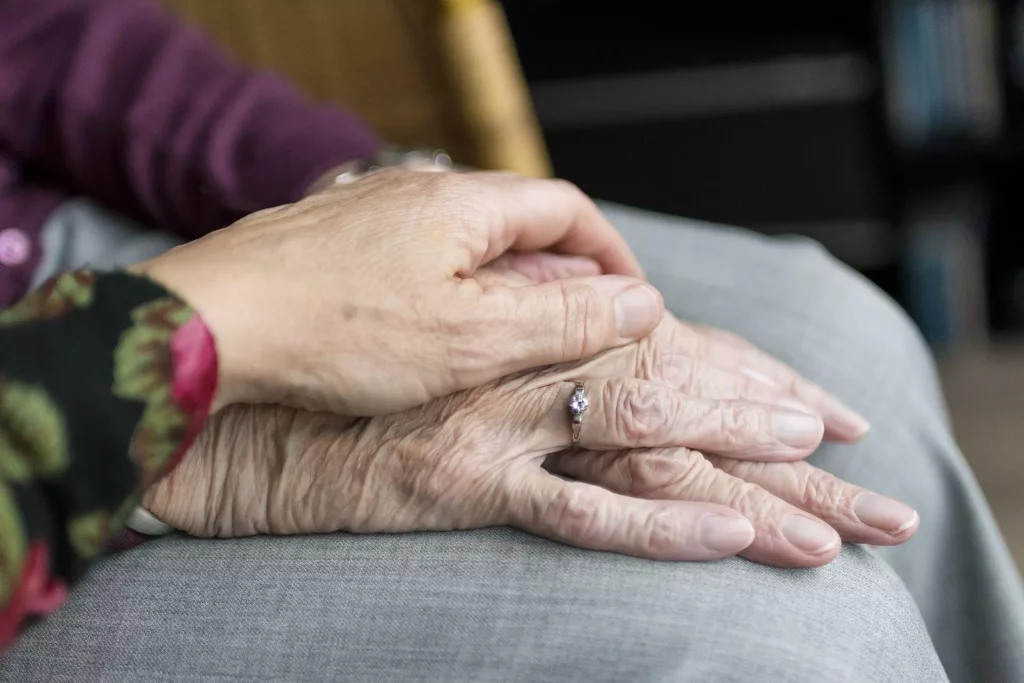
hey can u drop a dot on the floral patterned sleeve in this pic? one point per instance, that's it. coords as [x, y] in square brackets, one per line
[105, 380]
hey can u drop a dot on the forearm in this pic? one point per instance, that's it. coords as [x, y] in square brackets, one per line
[121, 101]
[104, 382]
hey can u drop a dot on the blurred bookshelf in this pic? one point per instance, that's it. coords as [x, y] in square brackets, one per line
[892, 132]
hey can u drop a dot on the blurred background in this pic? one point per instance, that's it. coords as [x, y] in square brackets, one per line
[891, 132]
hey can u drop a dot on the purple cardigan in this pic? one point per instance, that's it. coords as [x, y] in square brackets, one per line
[117, 100]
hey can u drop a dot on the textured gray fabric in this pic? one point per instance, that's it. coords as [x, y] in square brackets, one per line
[493, 605]
[498, 605]
[81, 234]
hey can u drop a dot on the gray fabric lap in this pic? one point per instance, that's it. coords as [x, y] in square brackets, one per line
[491, 605]
[81, 234]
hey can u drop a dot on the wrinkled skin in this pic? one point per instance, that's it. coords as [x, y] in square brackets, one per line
[362, 299]
[488, 456]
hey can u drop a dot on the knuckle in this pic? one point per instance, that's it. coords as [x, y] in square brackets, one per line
[743, 425]
[662, 531]
[750, 499]
[670, 472]
[678, 371]
[635, 413]
[571, 516]
[654, 362]
[822, 491]
[745, 388]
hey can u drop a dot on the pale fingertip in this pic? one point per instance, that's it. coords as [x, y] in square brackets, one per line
[844, 421]
[809, 535]
[884, 514]
[726, 534]
[911, 523]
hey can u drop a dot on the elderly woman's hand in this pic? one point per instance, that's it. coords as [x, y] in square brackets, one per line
[361, 299]
[697, 359]
[476, 459]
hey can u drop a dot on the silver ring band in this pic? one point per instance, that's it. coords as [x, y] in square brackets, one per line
[578, 404]
[146, 523]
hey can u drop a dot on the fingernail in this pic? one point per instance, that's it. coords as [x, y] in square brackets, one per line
[725, 534]
[853, 424]
[809, 535]
[798, 430]
[885, 514]
[637, 311]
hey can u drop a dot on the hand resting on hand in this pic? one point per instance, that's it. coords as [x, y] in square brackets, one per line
[641, 483]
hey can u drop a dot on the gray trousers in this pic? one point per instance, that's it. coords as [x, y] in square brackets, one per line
[499, 605]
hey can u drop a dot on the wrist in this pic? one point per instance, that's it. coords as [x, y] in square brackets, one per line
[389, 157]
[232, 383]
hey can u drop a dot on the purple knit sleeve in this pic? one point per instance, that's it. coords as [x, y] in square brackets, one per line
[118, 100]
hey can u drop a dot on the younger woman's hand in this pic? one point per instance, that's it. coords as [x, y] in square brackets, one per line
[362, 299]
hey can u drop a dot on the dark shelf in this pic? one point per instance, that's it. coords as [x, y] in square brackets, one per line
[826, 164]
[573, 38]
[945, 162]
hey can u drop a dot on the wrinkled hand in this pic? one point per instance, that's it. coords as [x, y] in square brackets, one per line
[700, 360]
[362, 299]
[475, 459]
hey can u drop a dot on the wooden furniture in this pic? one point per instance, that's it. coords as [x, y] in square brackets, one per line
[439, 73]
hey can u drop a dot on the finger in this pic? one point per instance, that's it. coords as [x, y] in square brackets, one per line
[542, 214]
[561, 321]
[591, 517]
[860, 516]
[784, 536]
[732, 352]
[690, 375]
[536, 267]
[630, 413]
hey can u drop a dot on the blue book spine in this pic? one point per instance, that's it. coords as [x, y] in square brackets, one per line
[909, 73]
[927, 283]
[930, 58]
[956, 66]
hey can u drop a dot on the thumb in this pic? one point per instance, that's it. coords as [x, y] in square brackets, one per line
[568, 320]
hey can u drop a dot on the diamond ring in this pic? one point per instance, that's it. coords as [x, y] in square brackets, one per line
[578, 404]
